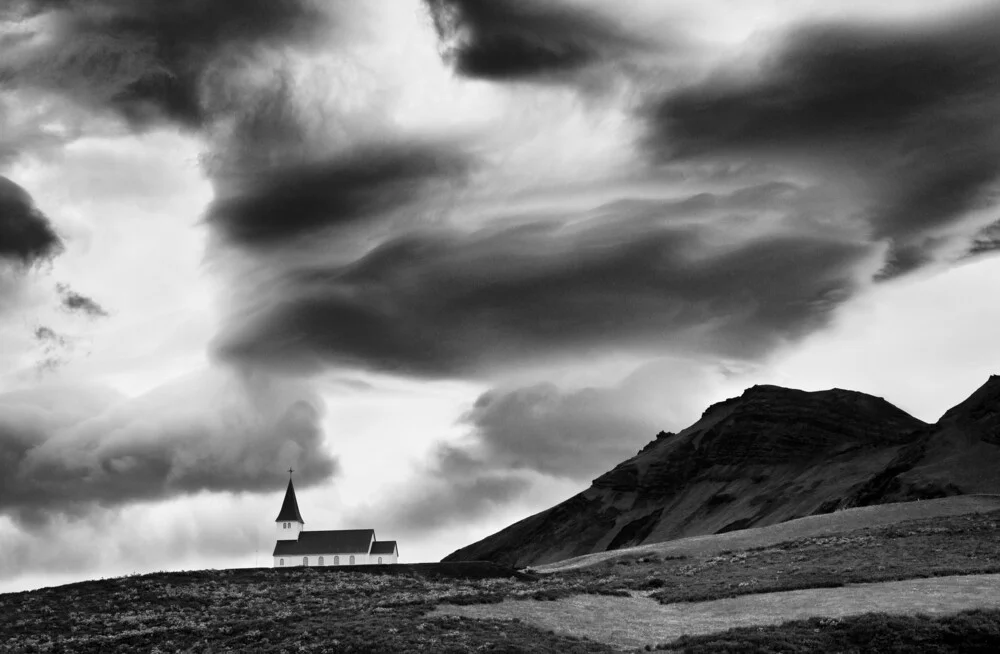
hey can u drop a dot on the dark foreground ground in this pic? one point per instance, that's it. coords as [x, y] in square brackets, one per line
[384, 608]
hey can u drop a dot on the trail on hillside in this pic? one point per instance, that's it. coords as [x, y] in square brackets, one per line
[631, 622]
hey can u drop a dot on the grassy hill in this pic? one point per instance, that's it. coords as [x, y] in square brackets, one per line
[405, 608]
[763, 458]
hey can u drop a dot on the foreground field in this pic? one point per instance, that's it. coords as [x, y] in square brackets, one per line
[405, 608]
[633, 622]
[297, 609]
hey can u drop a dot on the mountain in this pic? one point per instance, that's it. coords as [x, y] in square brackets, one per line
[772, 454]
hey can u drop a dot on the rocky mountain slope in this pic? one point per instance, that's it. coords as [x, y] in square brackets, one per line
[769, 455]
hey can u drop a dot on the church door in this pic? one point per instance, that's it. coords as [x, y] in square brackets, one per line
[336, 560]
[321, 560]
[305, 560]
[352, 559]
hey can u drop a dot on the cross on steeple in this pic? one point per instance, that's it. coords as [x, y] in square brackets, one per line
[290, 471]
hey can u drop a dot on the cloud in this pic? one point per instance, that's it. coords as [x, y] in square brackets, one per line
[181, 534]
[271, 206]
[579, 433]
[901, 113]
[987, 240]
[70, 449]
[434, 504]
[26, 235]
[31, 122]
[146, 60]
[441, 303]
[55, 348]
[512, 40]
[576, 435]
[79, 303]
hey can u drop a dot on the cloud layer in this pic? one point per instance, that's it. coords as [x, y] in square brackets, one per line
[67, 450]
[453, 303]
[901, 112]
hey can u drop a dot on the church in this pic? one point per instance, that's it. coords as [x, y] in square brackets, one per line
[296, 547]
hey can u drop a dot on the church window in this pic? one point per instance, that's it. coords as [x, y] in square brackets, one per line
[305, 560]
[380, 559]
[281, 562]
[321, 560]
[336, 560]
[352, 559]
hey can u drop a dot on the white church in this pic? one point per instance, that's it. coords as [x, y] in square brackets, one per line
[296, 547]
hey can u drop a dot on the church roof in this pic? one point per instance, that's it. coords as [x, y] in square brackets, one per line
[338, 541]
[290, 507]
[384, 547]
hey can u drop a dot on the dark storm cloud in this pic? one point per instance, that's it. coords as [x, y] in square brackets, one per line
[518, 39]
[67, 450]
[272, 205]
[26, 235]
[147, 60]
[907, 111]
[463, 303]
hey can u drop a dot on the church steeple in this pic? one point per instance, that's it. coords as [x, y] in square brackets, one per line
[289, 520]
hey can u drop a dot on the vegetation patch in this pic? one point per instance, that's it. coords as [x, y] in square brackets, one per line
[966, 632]
[264, 610]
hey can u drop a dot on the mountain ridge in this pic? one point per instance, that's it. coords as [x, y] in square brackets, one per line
[766, 456]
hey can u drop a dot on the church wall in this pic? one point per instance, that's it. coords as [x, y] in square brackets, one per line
[360, 558]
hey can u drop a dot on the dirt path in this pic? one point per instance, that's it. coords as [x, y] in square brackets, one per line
[631, 622]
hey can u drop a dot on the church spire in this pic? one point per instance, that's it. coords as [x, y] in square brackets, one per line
[290, 507]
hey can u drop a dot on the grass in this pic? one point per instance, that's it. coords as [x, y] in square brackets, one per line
[299, 609]
[633, 622]
[392, 608]
[839, 522]
[967, 544]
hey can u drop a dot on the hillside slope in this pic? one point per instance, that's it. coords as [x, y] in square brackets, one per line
[770, 455]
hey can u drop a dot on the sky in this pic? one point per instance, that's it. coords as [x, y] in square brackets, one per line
[450, 260]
